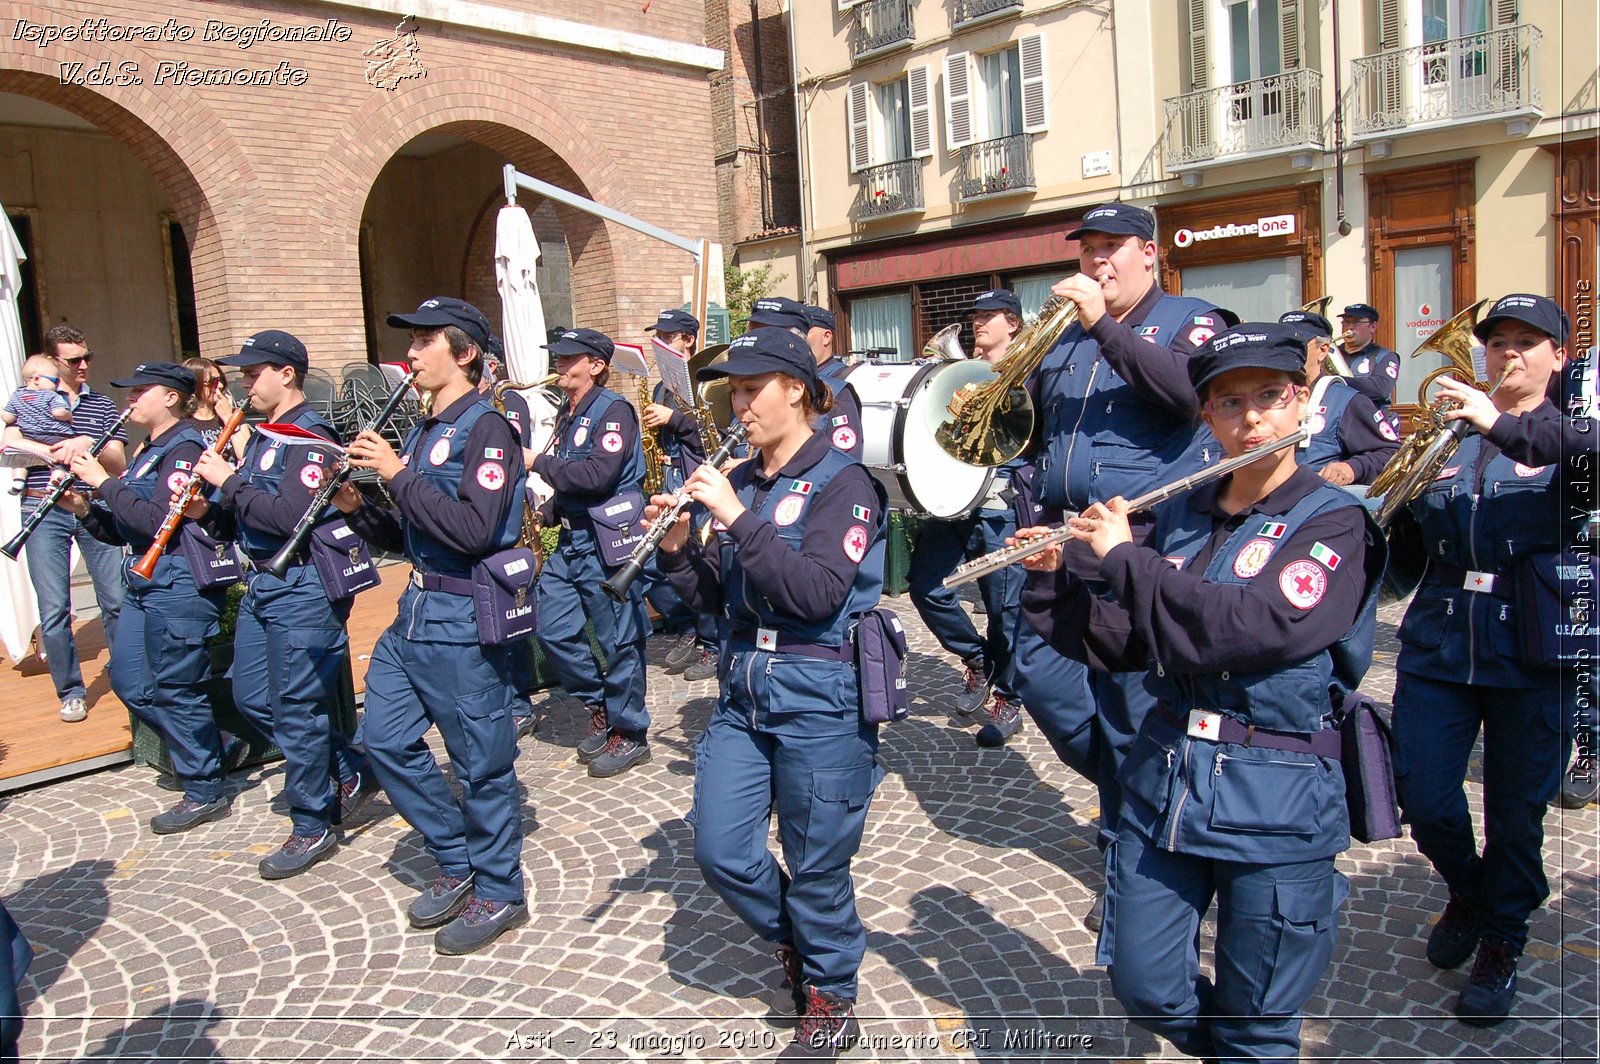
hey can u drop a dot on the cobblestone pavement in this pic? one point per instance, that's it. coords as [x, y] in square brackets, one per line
[975, 871]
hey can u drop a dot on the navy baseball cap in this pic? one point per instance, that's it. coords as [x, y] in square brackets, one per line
[1250, 345]
[1361, 312]
[1538, 311]
[820, 318]
[495, 348]
[272, 347]
[440, 311]
[998, 299]
[1310, 322]
[167, 374]
[589, 342]
[677, 321]
[766, 351]
[1119, 219]
[784, 313]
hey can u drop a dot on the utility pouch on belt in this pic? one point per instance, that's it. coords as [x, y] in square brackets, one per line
[342, 560]
[618, 526]
[1555, 598]
[503, 597]
[213, 562]
[881, 667]
[1367, 757]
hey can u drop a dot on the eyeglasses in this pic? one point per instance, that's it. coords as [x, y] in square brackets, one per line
[47, 377]
[88, 357]
[1272, 397]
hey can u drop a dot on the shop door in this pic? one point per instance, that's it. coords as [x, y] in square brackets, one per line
[1424, 283]
[1255, 289]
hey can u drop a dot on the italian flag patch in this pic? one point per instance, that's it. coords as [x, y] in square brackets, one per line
[862, 513]
[1273, 530]
[800, 487]
[1323, 553]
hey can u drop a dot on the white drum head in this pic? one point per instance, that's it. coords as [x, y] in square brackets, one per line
[936, 483]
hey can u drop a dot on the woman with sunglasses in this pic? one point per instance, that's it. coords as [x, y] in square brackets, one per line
[799, 559]
[213, 405]
[159, 660]
[1254, 604]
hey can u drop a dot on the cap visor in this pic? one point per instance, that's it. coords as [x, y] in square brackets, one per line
[744, 366]
[418, 321]
[242, 359]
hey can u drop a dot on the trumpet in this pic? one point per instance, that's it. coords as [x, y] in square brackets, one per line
[13, 546]
[146, 566]
[994, 561]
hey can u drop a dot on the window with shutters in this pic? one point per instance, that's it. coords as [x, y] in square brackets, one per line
[993, 102]
[891, 132]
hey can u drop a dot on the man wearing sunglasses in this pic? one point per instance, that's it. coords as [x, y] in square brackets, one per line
[49, 550]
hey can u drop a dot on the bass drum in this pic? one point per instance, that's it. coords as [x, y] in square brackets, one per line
[900, 408]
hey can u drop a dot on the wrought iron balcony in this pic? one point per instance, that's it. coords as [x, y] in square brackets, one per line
[1482, 75]
[971, 12]
[882, 26]
[892, 188]
[997, 167]
[1267, 116]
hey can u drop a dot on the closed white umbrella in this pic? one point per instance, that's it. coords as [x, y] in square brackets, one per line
[19, 610]
[516, 259]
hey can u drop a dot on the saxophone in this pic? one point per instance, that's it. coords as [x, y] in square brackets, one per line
[532, 523]
[655, 459]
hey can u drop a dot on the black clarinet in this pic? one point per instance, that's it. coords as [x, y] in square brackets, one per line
[13, 546]
[617, 586]
[280, 562]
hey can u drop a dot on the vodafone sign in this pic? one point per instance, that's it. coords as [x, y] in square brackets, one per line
[1276, 225]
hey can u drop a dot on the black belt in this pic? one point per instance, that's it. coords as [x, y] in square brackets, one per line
[1229, 730]
[767, 639]
[450, 585]
[1458, 579]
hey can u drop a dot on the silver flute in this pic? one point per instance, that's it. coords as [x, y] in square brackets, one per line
[994, 561]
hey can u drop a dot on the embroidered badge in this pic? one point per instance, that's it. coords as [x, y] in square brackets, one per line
[440, 452]
[842, 419]
[1303, 584]
[1273, 530]
[1147, 331]
[1393, 370]
[585, 422]
[579, 436]
[612, 442]
[315, 456]
[1527, 471]
[844, 438]
[855, 543]
[269, 458]
[311, 477]
[451, 431]
[176, 482]
[181, 464]
[1316, 423]
[1252, 558]
[1200, 334]
[491, 477]
[146, 470]
[861, 513]
[495, 453]
[1326, 555]
[1385, 429]
[1176, 560]
[1447, 472]
[800, 487]
[788, 511]
[1362, 366]
[613, 426]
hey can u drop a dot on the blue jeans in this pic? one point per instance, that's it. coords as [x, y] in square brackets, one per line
[49, 558]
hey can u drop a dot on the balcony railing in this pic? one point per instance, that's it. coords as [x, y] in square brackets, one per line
[882, 26]
[997, 167]
[892, 188]
[1483, 75]
[1250, 118]
[968, 12]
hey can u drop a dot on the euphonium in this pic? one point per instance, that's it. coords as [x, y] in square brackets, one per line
[532, 525]
[989, 418]
[945, 344]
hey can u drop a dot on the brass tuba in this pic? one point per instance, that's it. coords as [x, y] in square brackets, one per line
[1425, 452]
[989, 416]
[532, 525]
[945, 344]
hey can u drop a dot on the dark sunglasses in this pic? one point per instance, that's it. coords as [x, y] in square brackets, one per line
[88, 357]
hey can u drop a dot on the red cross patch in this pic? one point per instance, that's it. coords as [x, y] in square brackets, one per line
[311, 477]
[491, 477]
[1303, 583]
[612, 442]
[1200, 334]
[176, 482]
[844, 437]
[855, 543]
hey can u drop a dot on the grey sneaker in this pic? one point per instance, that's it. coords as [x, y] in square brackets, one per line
[975, 690]
[297, 854]
[589, 746]
[440, 902]
[73, 710]
[355, 793]
[828, 1028]
[190, 814]
[479, 924]
[681, 653]
[703, 669]
[620, 754]
[1005, 717]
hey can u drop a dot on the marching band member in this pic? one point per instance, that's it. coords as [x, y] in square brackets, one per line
[457, 485]
[842, 425]
[598, 464]
[159, 661]
[694, 650]
[1119, 418]
[1254, 601]
[289, 640]
[802, 557]
[1502, 503]
[1351, 441]
[989, 689]
[1374, 369]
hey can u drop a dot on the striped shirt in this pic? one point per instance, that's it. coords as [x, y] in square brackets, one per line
[92, 414]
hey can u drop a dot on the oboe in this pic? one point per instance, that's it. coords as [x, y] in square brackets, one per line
[617, 585]
[13, 546]
[997, 560]
[146, 566]
[280, 562]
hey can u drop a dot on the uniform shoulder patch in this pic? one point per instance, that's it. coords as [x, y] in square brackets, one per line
[1303, 583]
[855, 543]
[1252, 558]
[491, 477]
[611, 442]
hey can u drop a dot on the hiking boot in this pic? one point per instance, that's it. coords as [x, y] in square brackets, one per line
[73, 710]
[1578, 784]
[1096, 914]
[705, 668]
[828, 1028]
[975, 690]
[297, 854]
[1455, 936]
[189, 813]
[622, 752]
[681, 653]
[440, 902]
[527, 723]
[793, 977]
[1492, 986]
[1005, 717]
[590, 746]
[355, 793]
[479, 924]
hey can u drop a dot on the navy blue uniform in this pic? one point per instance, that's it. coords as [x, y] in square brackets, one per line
[598, 457]
[160, 662]
[841, 424]
[16, 955]
[1345, 427]
[1374, 370]
[1119, 417]
[789, 577]
[1498, 500]
[1248, 622]
[459, 501]
[290, 640]
[680, 442]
